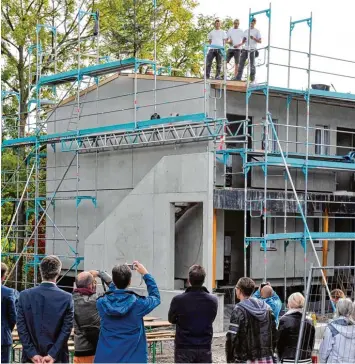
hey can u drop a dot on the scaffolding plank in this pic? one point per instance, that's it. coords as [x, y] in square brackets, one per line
[314, 92]
[301, 163]
[91, 71]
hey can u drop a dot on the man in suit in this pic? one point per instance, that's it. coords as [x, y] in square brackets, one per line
[45, 317]
[8, 316]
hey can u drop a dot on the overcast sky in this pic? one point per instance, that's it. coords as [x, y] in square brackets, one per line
[333, 35]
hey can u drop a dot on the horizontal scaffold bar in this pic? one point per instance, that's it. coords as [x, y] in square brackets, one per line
[74, 135]
[260, 153]
[302, 236]
[301, 163]
[92, 71]
[312, 92]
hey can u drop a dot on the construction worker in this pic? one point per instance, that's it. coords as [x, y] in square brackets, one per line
[235, 39]
[251, 49]
[216, 37]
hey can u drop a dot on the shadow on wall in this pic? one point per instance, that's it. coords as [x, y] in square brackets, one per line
[188, 239]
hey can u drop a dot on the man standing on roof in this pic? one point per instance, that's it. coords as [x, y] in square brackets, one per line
[235, 38]
[251, 49]
[216, 37]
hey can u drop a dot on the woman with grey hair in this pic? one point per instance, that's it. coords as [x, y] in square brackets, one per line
[288, 333]
[338, 345]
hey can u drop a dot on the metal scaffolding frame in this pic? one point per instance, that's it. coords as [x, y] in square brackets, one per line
[76, 140]
[207, 125]
[266, 134]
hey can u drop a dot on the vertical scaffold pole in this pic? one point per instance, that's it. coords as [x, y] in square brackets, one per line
[288, 104]
[205, 50]
[155, 54]
[36, 156]
[289, 53]
[309, 22]
[267, 137]
[266, 129]
[245, 167]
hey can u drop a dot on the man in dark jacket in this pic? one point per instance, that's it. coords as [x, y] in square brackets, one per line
[193, 312]
[86, 317]
[122, 335]
[252, 329]
[45, 317]
[8, 316]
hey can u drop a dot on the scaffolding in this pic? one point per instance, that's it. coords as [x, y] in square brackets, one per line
[45, 130]
[260, 147]
[258, 143]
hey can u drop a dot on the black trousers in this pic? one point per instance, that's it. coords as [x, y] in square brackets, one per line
[233, 52]
[243, 58]
[211, 55]
[193, 356]
[5, 353]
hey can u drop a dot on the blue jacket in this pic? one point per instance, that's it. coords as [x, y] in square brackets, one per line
[122, 335]
[44, 322]
[8, 314]
[274, 302]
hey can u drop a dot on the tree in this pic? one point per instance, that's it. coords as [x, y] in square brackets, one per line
[127, 26]
[18, 28]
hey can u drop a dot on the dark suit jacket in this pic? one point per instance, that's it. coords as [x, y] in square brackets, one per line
[44, 323]
[8, 314]
[193, 312]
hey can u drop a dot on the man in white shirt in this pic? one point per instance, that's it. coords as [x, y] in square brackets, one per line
[250, 47]
[235, 38]
[216, 37]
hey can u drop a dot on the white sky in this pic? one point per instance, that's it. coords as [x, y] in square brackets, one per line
[333, 35]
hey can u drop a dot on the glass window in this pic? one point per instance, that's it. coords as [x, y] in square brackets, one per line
[322, 140]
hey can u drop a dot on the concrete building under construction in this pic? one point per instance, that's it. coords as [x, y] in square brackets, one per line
[243, 179]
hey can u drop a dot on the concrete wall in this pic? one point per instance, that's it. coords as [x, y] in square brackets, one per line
[166, 297]
[295, 258]
[109, 176]
[113, 176]
[142, 225]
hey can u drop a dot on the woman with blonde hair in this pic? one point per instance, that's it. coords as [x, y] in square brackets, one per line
[288, 333]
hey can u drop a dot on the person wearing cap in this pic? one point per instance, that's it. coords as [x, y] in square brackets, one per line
[235, 39]
[217, 37]
[250, 41]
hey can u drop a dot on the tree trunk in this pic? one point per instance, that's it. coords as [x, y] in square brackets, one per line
[21, 155]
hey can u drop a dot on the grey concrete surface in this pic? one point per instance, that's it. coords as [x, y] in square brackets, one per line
[120, 227]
